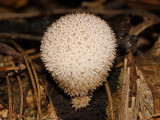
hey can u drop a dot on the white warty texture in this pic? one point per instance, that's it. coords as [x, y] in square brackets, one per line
[78, 50]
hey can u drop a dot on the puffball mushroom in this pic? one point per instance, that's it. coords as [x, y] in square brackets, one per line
[78, 50]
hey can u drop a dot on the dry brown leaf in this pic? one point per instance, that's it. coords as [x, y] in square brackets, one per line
[149, 66]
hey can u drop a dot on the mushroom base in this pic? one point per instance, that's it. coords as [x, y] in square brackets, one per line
[80, 102]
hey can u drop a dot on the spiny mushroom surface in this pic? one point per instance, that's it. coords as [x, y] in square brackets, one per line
[78, 50]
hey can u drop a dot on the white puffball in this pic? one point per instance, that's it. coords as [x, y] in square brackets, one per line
[78, 50]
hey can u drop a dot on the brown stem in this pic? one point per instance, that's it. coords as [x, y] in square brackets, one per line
[10, 98]
[27, 61]
[34, 88]
[20, 36]
[21, 95]
[110, 100]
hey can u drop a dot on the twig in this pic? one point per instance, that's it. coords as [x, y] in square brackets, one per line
[37, 81]
[8, 68]
[35, 56]
[152, 116]
[10, 98]
[110, 100]
[50, 100]
[143, 13]
[7, 50]
[34, 87]
[125, 92]
[17, 68]
[155, 50]
[142, 26]
[27, 61]
[57, 11]
[20, 36]
[18, 15]
[21, 95]
[95, 11]
[30, 51]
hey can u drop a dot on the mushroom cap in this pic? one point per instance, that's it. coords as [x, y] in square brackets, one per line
[78, 50]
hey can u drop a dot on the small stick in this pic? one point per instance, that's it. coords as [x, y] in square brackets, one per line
[8, 68]
[21, 95]
[37, 81]
[35, 56]
[30, 51]
[57, 11]
[10, 98]
[20, 36]
[27, 61]
[34, 88]
[16, 68]
[141, 13]
[110, 100]
[125, 93]
[50, 100]
[142, 26]
[7, 50]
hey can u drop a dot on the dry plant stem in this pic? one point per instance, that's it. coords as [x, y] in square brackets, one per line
[125, 93]
[57, 11]
[7, 50]
[8, 68]
[30, 51]
[110, 100]
[37, 81]
[35, 56]
[20, 36]
[35, 76]
[21, 94]
[27, 60]
[143, 13]
[95, 11]
[155, 50]
[133, 74]
[50, 100]
[152, 116]
[10, 98]
[34, 88]
[141, 27]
